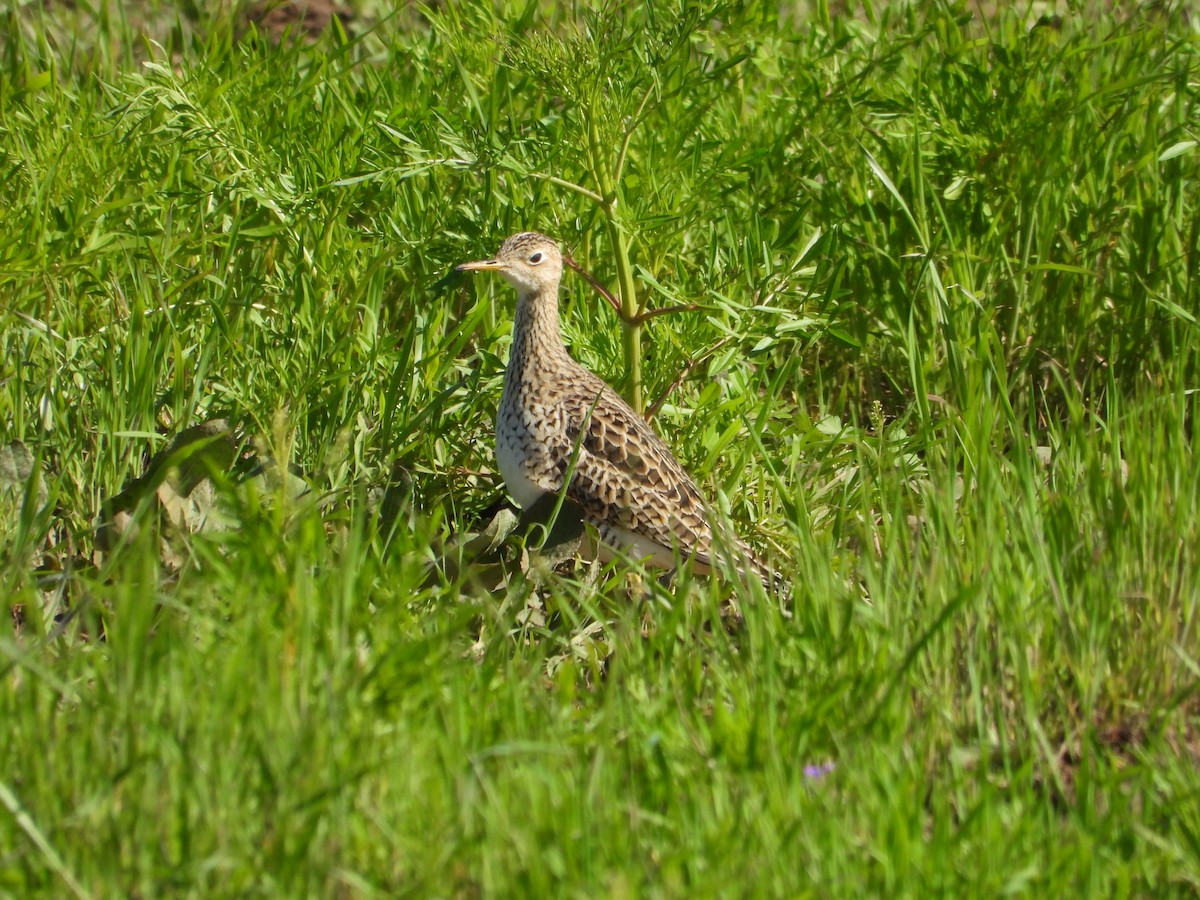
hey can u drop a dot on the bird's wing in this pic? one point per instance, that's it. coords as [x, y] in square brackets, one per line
[626, 477]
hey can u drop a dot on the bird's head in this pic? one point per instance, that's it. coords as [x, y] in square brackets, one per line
[529, 261]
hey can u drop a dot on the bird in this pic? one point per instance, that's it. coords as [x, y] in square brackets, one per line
[558, 422]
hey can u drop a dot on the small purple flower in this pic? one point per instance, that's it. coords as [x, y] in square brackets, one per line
[819, 771]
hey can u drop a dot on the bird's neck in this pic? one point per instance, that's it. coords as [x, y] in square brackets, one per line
[537, 334]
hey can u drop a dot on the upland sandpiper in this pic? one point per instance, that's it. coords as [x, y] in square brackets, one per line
[557, 417]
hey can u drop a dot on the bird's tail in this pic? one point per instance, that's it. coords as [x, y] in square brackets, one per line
[747, 561]
[772, 579]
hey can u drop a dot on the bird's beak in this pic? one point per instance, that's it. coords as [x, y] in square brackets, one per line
[481, 265]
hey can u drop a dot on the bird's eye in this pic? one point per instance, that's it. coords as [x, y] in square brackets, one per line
[535, 258]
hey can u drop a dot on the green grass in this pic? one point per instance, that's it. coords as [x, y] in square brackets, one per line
[943, 371]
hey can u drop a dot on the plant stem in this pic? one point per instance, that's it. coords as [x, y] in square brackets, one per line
[631, 335]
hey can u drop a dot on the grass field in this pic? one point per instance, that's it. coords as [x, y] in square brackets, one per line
[942, 369]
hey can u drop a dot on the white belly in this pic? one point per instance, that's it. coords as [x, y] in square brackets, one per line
[511, 459]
